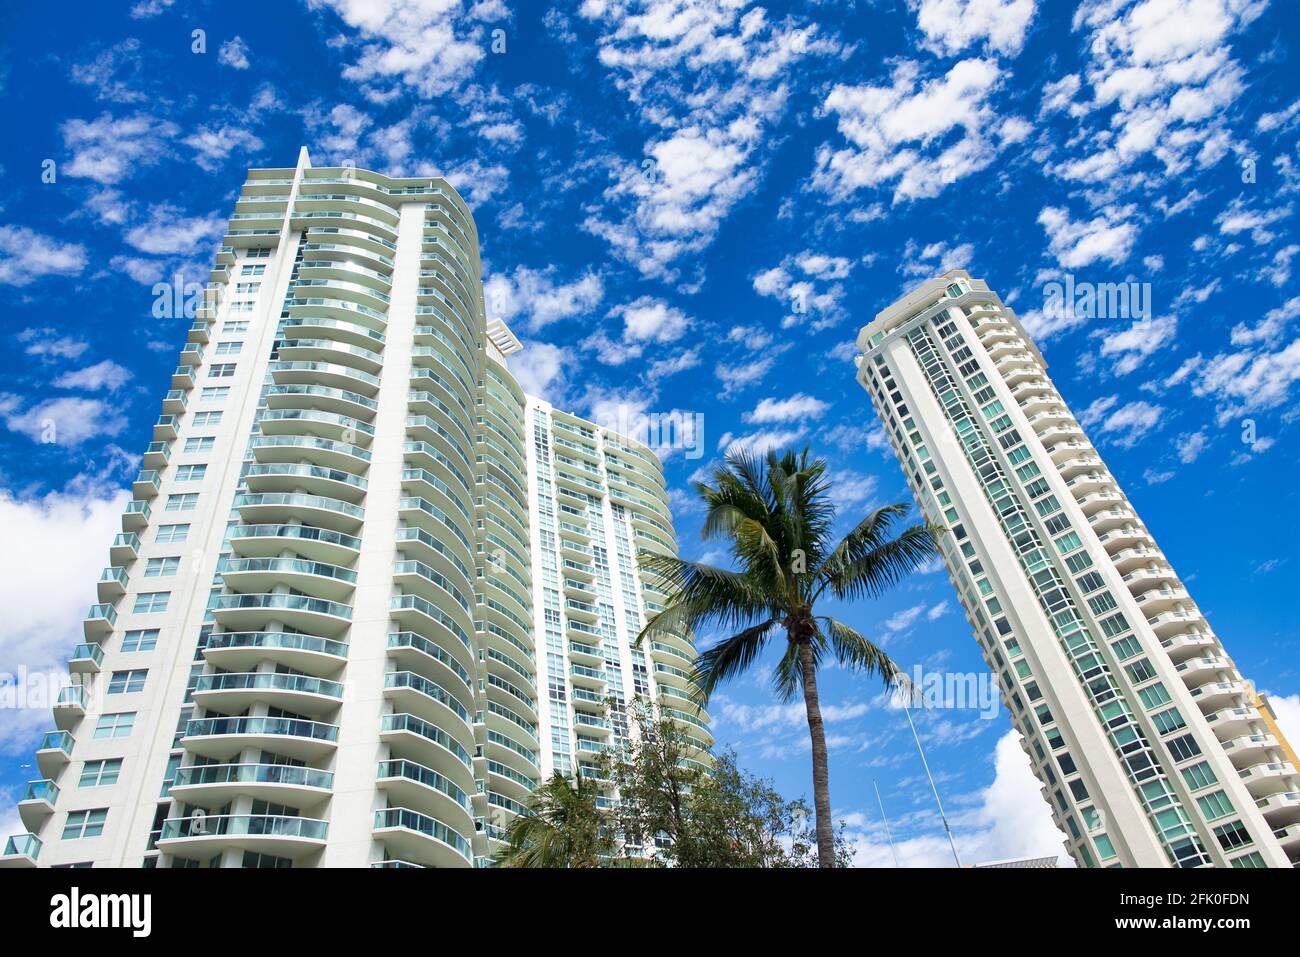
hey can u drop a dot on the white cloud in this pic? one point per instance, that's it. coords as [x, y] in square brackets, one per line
[798, 406]
[759, 443]
[234, 53]
[1125, 424]
[904, 133]
[102, 375]
[541, 369]
[1163, 80]
[1247, 381]
[1191, 446]
[46, 584]
[212, 145]
[67, 421]
[809, 286]
[1131, 346]
[1239, 218]
[953, 25]
[26, 256]
[1287, 710]
[538, 297]
[109, 150]
[1108, 236]
[168, 231]
[47, 343]
[737, 376]
[651, 320]
[710, 79]
[432, 47]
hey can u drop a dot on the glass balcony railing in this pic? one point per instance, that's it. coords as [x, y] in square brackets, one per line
[242, 825]
[58, 741]
[290, 641]
[411, 724]
[264, 726]
[319, 606]
[423, 824]
[268, 681]
[426, 776]
[287, 774]
[26, 845]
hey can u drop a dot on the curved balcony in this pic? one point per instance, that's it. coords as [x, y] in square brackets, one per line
[411, 736]
[412, 785]
[264, 508]
[54, 753]
[1267, 777]
[593, 656]
[1158, 599]
[411, 836]
[331, 351]
[86, 659]
[135, 516]
[1198, 670]
[1169, 623]
[312, 479]
[1231, 722]
[225, 738]
[317, 422]
[1218, 694]
[416, 653]
[420, 615]
[112, 584]
[319, 544]
[323, 452]
[1280, 808]
[347, 253]
[229, 692]
[413, 693]
[433, 551]
[37, 804]
[415, 577]
[332, 308]
[211, 786]
[99, 622]
[346, 271]
[204, 836]
[517, 700]
[1250, 748]
[340, 401]
[338, 330]
[125, 548]
[318, 579]
[333, 375]
[21, 851]
[245, 650]
[251, 612]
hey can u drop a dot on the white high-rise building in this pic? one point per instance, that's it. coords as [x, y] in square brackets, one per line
[319, 637]
[1153, 750]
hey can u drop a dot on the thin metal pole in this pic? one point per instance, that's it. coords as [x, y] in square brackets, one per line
[920, 750]
[885, 817]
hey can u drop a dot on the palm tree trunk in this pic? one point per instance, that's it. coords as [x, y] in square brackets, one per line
[821, 774]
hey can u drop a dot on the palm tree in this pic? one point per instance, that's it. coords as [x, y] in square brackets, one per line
[563, 828]
[777, 516]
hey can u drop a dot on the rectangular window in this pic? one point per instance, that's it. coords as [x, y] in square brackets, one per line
[221, 370]
[1126, 648]
[247, 288]
[1089, 582]
[190, 473]
[1068, 543]
[161, 567]
[1199, 775]
[1167, 721]
[201, 443]
[1154, 696]
[127, 682]
[1100, 604]
[117, 725]
[182, 502]
[235, 325]
[242, 306]
[1215, 806]
[229, 348]
[151, 602]
[100, 774]
[249, 269]
[1184, 748]
[171, 534]
[140, 639]
[84, 824]
[1114, 625]
[205, 419]
[214, 393]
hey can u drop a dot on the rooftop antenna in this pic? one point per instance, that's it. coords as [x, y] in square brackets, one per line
[925, 764]
[885, 817]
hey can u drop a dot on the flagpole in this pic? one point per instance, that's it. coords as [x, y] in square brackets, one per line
[885, 817]
[925, 764]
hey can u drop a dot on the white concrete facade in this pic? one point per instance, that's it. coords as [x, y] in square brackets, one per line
[333, 663]
[1152, 748]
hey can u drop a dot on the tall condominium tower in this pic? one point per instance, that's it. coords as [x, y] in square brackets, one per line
[1152, 748]
[315, 642]
[597, 500]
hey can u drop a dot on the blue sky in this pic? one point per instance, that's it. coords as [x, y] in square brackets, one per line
[656, 185]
